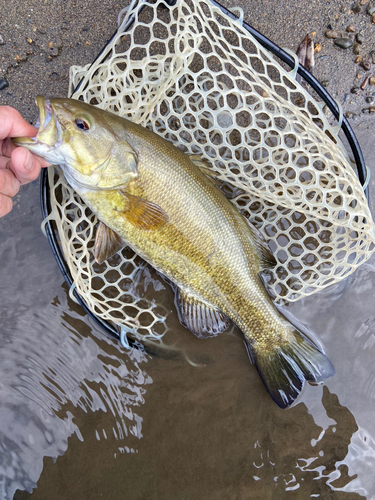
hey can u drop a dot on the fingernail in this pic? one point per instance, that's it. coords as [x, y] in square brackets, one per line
[29, 162]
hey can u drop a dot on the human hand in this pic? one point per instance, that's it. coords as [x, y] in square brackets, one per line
[17, 165]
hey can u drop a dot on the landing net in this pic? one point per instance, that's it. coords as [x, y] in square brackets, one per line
[198, 78]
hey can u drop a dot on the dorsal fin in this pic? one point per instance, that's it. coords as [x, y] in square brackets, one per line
[204, 167]
[200, 318]
[107, 243]
[267, 259]
[142, 213]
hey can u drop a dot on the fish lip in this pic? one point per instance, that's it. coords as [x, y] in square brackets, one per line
[45, 111]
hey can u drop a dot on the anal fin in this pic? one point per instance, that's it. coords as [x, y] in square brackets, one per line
[200, 318]
[107, 243]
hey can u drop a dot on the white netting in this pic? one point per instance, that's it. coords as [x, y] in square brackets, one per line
[200, 80]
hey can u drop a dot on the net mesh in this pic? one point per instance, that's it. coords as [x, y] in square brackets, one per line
[198, 78]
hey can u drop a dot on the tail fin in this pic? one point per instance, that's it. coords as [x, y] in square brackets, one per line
[285, 369]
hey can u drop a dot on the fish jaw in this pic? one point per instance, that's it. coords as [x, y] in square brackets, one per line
[49, 136]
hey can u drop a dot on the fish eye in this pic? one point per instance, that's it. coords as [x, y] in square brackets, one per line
[82, 124]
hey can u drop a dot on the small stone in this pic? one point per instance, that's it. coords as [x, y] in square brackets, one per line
[325, 83]
[371, 9]
[363, 2]
[373, 18]
[50, 45]
[358, 76]
[371, 109]
[29, 40]
[351, 28]
[317, 47]
[359, 38]
[357, 49]
[355, 90]
[370, 99]
[343, 43]
[372, 80]
[356, 8]
[2, 40]
[3, 83]
[332, 34]
[366, 65]
[349, 114]
[358, 59]
[364, 83]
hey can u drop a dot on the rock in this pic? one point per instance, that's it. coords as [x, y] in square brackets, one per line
[370, 99]
[359, 38]
[356, 8]
[364, 83]
[357, 49]
[366, 65]
[363, 2]
[325, 83]
[2, 40]
[343, 43]
[370, 110]
[332, 34]
[349, 114]
[371, 9]
[372, 80]
[351, 28]
[3, 83]
[358, 59]
[355, 90]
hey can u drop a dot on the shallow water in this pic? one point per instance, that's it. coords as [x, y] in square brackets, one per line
[80, 417]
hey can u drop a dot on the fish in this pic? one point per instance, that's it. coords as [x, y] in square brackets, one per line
[167, 207]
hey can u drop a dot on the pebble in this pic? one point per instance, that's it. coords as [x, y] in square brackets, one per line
[325, 83]
[357, 49]
[351, 28]
[371, 9]
[366, 65]
[358, 59]
[356, 8]
[364, 83]
[363, 2]
[355, 90]
[369, 110]
[2, 40]
[3, 83]
[372, 80]
[372, 54]
[350, 114]
[332, 34]
[373, 18]
[359, 38]
[344, 43]
[370, 99]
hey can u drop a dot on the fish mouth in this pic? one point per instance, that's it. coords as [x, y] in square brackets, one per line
[47, 133]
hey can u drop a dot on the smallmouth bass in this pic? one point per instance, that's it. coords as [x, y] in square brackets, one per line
[151, 196]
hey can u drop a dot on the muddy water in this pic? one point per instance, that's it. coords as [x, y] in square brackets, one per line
[81, 418]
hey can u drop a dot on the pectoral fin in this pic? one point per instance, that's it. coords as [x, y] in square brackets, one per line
[200, 318]
[107, 243]
[142, 213]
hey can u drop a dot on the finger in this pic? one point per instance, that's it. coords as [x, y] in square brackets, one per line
[12, 124]
[9, 185]
[6, 204]
[26, 166]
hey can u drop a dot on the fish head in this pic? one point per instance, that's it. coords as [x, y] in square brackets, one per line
[85, 141]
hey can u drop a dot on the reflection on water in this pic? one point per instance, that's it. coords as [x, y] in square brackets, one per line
[81, 418]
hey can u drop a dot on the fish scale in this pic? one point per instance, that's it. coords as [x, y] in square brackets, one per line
[169, 212]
